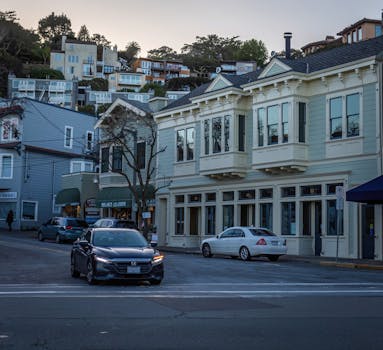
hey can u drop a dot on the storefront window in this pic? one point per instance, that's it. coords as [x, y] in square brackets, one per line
[288, 192]
[266, 193]
[228, 196]
[246, 195]
[228, 216]
[29, 210]
[332, 215]
[266, 215]
[288, 219]
[180, 221]
[210, 197]
[313, 190]
[210, 220]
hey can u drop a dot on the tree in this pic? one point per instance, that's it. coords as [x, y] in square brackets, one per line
[252, 50]
[100, 40]
[83, 34]
[132, 49]
[42, 72]
[205, 54]
[159, 90]
[122, 127]
[163, 53]
[53, 27]
[177, 84]
[96, 84]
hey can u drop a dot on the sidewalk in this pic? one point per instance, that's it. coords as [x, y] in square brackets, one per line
[320, 260]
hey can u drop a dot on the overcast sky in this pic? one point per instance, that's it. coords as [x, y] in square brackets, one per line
[154, 23]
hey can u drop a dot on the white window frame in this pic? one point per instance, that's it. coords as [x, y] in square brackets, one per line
[233, 126]
[14, 124]
[343, 95]
[185, 129]
[70, 146]
[82, 165]
[36, 210]
[2, 155]
[91, 143]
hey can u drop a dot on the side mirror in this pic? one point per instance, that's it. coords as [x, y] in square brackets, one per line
[84, 244]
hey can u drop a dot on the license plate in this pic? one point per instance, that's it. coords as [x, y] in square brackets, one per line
[134, 269]
[274, 242]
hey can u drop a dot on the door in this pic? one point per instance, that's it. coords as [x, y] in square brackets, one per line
[247, 215]
[312, 223]
[194, 229]
[368, 232]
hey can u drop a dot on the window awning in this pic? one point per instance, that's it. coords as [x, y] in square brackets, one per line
[114, 197]
[68, 196]
[370, 192]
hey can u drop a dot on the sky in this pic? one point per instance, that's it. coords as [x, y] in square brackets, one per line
[154, 23]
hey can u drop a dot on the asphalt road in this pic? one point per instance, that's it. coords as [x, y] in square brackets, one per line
[201, 304]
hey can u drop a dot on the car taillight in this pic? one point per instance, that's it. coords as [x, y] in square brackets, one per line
[68, 227]
[261, 242]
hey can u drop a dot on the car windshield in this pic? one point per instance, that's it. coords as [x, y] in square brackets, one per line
[120, 238]
[76, 223]
[261, 232]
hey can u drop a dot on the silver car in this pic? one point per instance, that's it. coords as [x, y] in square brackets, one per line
[245, 242]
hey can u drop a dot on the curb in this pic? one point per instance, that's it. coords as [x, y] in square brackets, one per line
[351, 265]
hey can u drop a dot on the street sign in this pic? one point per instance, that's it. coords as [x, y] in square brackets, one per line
[146, 215]
[339, 190]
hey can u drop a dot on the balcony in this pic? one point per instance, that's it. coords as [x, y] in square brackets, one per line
[281, 159]
[228, 165]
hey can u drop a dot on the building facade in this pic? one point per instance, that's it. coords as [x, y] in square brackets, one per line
[62, 93]
[270, 148]
[39, 143]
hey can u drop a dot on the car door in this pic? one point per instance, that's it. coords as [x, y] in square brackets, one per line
[223, 242]
[236, 241]
[52, 228]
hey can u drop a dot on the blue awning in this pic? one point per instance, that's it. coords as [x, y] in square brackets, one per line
[370, 192]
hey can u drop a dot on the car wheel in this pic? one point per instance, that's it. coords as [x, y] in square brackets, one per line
[244, 253]
[90, 274]
[73, 270]
[40, 236]
[58, 239]
[206, 251]
[155, 282]
[273, 257]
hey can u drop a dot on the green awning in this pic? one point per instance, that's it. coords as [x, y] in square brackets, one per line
[68, 196]
[114, 197]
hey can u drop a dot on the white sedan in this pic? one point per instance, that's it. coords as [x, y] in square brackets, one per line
[245, 242]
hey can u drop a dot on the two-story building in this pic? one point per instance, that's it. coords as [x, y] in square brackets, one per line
[270, 148]
[40, 142]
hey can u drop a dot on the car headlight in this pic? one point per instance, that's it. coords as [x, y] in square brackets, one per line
[157, 259]
[102, 260]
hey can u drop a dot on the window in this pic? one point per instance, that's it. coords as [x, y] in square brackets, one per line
[288, 218]
[68, 141]
[89, 140]
[117, 158]
[210, 197]
[261, 125]
[354, 38]
[336, 118]
[185, 144]
[105, 159]
[5, 207]
[228, 216]
[352, 115]
[217, 134]
[360, 34]
[180, 199]
[29, 210]
[228, 196]
[332, 217]
[266, 193]
[180, 220]
[344, 111]
[272, 125]
[241, 133]
[190, 144]
[266, 215]
[210, 220]
[331, 188]
[206, 133]
[285, 122]
[79, 166]
[312, 190]
[9, 129]
[195, 198]
[288, 192]
[246, 195]
[6, 166]
[302, 122]
[349, 39]
[227, 133]
[378, 30]
[141, 155]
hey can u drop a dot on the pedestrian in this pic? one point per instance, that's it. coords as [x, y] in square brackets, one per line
[10, 219]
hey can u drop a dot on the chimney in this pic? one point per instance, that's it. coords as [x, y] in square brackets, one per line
[287, 36]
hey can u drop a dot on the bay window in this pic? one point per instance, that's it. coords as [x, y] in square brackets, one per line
[185, 144]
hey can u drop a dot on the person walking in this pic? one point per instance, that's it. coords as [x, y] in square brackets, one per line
[10, 219]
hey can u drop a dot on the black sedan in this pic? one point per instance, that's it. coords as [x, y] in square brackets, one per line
[114, 253]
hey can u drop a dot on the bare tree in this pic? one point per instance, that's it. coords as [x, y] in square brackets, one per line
[124, 127]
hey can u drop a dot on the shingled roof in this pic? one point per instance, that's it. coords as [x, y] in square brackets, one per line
[309, 64]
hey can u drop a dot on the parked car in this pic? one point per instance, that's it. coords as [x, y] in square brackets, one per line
[245, 242]
[61, 229]
[116, 253]
[116, 223]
